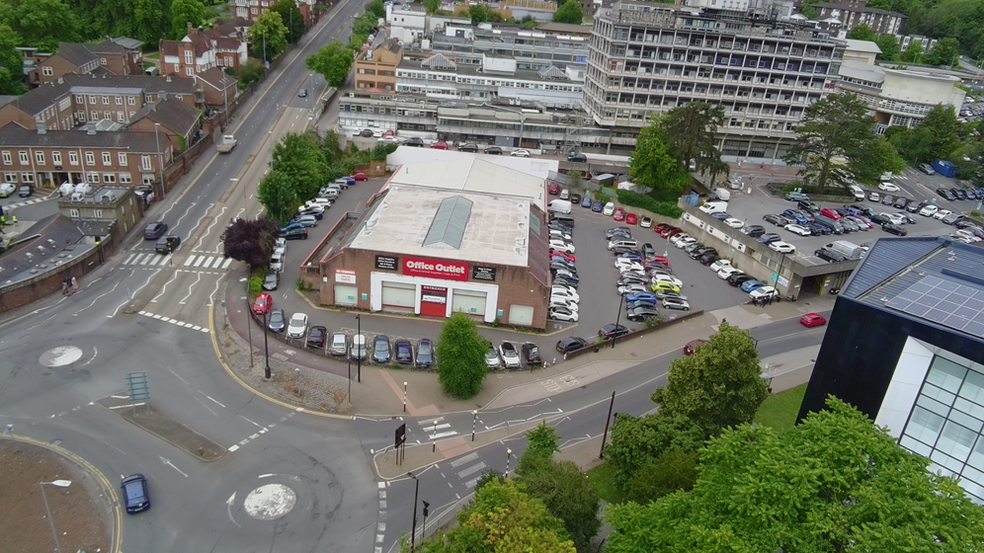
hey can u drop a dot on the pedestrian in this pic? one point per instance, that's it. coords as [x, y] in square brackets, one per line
[75, 284]
[762, 166]
[65, 284]
[770, 300]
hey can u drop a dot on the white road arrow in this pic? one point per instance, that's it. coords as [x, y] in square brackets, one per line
[229, 503]
[170, 464]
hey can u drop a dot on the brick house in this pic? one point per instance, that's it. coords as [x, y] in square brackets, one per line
[201, 50]
[120, 56]
[377, 68]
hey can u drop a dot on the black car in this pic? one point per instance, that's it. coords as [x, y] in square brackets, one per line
[271, 281]
[614, 230]
[531, 354]
[738, 280]
[135, 494]
[153, 231]
[914, 206]
[25, 190]
[817, 229]
[631, 279]
[577, 158]
[901, 202]
[971, 195]
[278, 321]
[425, 354]
[366, 133]
[708, 258]
[960, 193]
[809, 207]
[721, 215]
[829, 255]
[416, 142]
[753, 231]
[494, 151]
[769, 238]
[565, 281]
[697, 253]
[898, 230]
[776, 219]
[888, 200]
[649, 302]
[404, 352]
[317, 336]
[865, 210]
[880, 219]
[381, 349]
[295, 234]
[470, 147]
[612, 331]
[642, 313]
[909, 219]
[302, 93]
[167, 244]
[570, 344]
[575, 199]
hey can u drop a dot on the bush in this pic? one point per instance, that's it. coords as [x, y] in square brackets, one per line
[255, 285]
[634, 199]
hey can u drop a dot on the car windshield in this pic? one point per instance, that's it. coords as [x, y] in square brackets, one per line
[424, 350]
[276, 318]
[490, 354]
[381, 346]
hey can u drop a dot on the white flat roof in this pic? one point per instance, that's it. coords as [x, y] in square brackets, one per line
[468, 173]
[497, 230]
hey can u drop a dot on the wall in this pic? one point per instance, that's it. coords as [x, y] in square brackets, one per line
[43, 285]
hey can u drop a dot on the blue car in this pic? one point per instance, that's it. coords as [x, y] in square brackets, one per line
[290, 227]
[596, 207]
[796, 217]
[750, 285]
[641, 296]
[586, 202]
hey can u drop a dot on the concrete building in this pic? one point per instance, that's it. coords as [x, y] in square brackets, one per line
[463, 234]
[649, 58]
[116, 207]
[905, 345]
[853, 13]
[376, 68]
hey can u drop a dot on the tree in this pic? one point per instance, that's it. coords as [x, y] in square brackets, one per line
[332, 61]
[875, 157]
[432, 6]
[299, 158]
[183, 13]
[637, 441]
[673, 470]
[564, 491]
[652, 166]
[277, 195]
[376, 9]
[268, 35]
[542, 439]
[291, 17]
[480, 13]
[941, 122]
[251, 241]
[251, 71]
[461, 356]
[913, 54]
[151, 19]
[862, 32]
[11, 64]
[40, 23]
[889, 46]
[946, 52]
[502, 519]
[717, 387]
[570, 12]
[690, 131]
[915, 145]
[834, 483]
[837, 126]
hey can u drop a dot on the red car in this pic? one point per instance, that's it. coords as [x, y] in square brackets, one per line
[442, 145]
[692, 345]
[568, 256]
[359, 176]
[389, 134]
[553, 189]
[830, 212]
[669, 232]
[661, 259]
[631, 219]
[619, 214]
[660, 227]
[812, 319]
[262, 304]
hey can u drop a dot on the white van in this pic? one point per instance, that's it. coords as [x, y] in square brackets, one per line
[276, 262]
[559, 206]
[714, 207]
[857, 192]
[622, 244]
[723, 194]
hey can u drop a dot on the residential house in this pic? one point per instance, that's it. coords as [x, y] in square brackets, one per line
[119, 56]
[175, 120]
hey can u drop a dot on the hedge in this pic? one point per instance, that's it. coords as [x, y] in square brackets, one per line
[634, 199]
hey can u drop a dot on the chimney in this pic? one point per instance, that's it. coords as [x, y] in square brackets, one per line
[190, 28]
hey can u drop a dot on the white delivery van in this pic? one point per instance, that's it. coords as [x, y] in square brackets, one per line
[722, 194]
[857, 192]
[83, 188]
[559, 206]
[714, 207]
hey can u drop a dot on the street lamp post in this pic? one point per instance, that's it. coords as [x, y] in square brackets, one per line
[249, 324]
[160, 162]
[60, 484]
[618, 319]
[404, 397]
[474, 419]
[413, 529]
[365, 346]
[266, 346]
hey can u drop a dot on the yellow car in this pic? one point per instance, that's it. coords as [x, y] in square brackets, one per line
[665, 286]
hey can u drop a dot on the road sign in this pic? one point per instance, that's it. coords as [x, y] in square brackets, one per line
[401, 435]
[136, 384]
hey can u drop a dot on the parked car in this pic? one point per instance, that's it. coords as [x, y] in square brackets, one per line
[675, 303]
[469, 147]
[782, 247]
[631, 218]
[563, 314]
[531, 354]
[359, 176]
[777, 220]
[609, 209]
[520, 153]
[768, 238]
[403, 352]
[277, 321]
[619, 214]
[610, 331]
[297, 327]
[888, 187]
[136, 497]
[494, 151]
[765, 292]
[262, 303]
[797, 229]
[25, 190]
[317, 337]
[510, 355]
[927, 168]
[570, 344]
[492, 360]
[415, 141]
[750, 285]
[381, 349]
[641, 313]
[753, 231]
[897, 230]
[425, 353]
[440, 145]
[271, 281]
[339, 344]
[596, 207]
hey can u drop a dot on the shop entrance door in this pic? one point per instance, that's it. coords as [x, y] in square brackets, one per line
[433, 301]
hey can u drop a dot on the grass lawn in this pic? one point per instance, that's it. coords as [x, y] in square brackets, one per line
[600, 478]
[779, 410]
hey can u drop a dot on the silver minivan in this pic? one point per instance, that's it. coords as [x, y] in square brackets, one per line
[339, 344]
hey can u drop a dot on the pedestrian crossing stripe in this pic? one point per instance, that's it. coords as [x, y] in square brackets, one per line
[196, 261]
[173, 321]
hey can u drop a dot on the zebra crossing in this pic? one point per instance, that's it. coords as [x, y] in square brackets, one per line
[437, 429]
[193, 261]
[466, 467]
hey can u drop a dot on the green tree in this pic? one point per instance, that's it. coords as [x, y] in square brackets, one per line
[914, 145]
[251, 71]
[837, 126]
[11, 64]
[637, 441]
[690, 131]
[432, 6]
[834, 483]
[875, 157]
[151, 19]
[652, 165]
[480, 13]
[718, 386]
[673, 470]
[542, 439]
[184, 12]
[461, 356]
[291, 17]
[250, 241]
[364, 25]
[528, 22]
[277, 195]
[565, 491]
[941, 122]
[502, 519]
[299, 158]
[913, 54]
[332, 61]
[376, 9]
[40, 23]
[569, 12]
[862, 32]
[889, 46]
[946, 52]
[381, 150]
[268, 35]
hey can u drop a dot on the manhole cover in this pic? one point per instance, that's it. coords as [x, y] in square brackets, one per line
[60, 356]
[270, 502]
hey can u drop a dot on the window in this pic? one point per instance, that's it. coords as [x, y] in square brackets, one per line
[27, 178]
[107, 159]
[125, 178]
[73, 158]
[56, 158]
[79, 99]
[74, 213]
[92, 177]
[92, 98]
[121, 158]
[47, 71]
[107, 114]
[120, 117]
[109, 178]
[98, 213]
[90, 158]
[39, 158]
[145, 163]
[119, 100]
[7, 158]
[189, 71]
[10, 177]
[22, 156]
[131, 100]
[188, 57]
[105, 99]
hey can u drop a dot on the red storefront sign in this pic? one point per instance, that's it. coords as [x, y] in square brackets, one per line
[433, 268]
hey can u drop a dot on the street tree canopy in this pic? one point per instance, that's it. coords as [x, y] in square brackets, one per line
[565, 491]
[653, 166]
[461, 356]
[569, 12]
[837, 126]
[291, 17]
[690, 133]
[250, 241]
[834, 483]
[276, 193]
[332, 61]
[268, 36]
[941, 122]
[299, 157]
